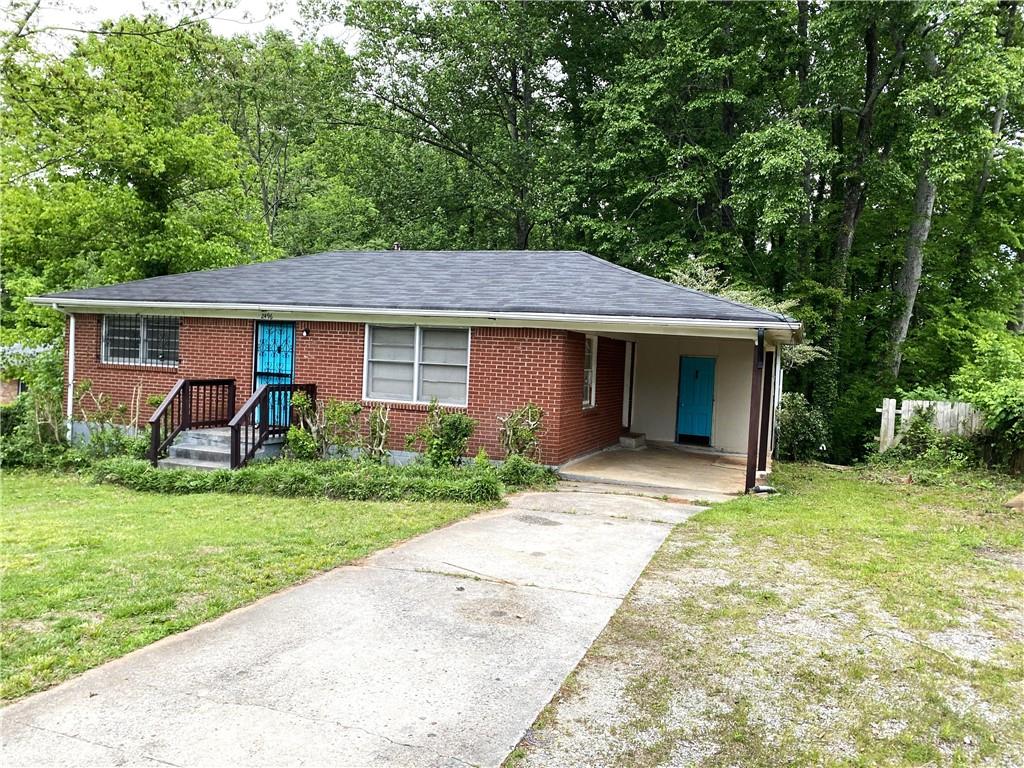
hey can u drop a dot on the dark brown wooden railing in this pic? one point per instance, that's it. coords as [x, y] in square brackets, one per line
[268, 413]
[191, 404]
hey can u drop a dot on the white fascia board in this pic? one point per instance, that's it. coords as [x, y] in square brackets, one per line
[583, 323]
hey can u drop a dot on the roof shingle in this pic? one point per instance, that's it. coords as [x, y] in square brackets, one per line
[546, 282]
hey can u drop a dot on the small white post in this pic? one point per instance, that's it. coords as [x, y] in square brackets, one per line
[888, 429]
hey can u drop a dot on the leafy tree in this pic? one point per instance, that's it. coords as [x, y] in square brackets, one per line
[111, 169]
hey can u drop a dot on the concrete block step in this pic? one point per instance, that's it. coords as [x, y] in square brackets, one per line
[201, 452]
[195, 464]
[220, 436]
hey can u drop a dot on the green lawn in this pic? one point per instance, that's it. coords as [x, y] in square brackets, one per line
[91, 572]
[850, 620]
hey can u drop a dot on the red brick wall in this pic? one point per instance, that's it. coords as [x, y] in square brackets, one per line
[588, 429]
[508, 368]
[209, 348]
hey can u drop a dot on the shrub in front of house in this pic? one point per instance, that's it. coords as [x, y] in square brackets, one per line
[519, 472]
[442, 437]
[335, 479]
[519, 431]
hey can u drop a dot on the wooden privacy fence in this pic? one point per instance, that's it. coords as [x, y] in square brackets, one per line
[947, 417]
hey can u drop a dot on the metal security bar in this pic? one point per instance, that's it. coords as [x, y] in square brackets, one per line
[141, 340]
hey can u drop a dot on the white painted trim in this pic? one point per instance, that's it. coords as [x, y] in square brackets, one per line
[591, 399]
[71, 379]
[627, 384]
[417, 353]
[773, 435]
[585, 323]
[366, 359]
[417, 340]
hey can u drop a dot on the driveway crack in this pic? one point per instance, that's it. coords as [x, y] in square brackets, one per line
[312, 719]
[492, 579]
[84, 740]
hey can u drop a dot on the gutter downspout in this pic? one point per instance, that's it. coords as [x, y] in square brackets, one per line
[71, 373]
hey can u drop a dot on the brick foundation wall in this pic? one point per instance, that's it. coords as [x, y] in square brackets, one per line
[508, 368]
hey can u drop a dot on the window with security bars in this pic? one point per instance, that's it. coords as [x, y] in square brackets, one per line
[590, 372]
[416, 364]
[140, 340]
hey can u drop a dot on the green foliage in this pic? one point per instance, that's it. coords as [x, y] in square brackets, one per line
[659, 136]
[443, 436]
[803, 432]
[325, 428]
[300, 444]
[120, 172]
[994, 381]
[517, 471]
[334, 479]
[928, 454]
[32, 428]
[519, 432]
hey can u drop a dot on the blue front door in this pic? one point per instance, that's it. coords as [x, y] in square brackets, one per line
[696, 399]
[275, 362]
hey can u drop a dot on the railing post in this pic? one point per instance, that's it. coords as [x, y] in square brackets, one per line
[154, 442]
[186, 406]
[235, 444]
[231, 400]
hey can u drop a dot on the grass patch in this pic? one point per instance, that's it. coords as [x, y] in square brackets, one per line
[852, 619]
[91, 572]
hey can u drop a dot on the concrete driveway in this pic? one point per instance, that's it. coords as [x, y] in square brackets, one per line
[439, 652]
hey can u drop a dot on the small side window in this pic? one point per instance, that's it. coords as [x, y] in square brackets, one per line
[590, 372]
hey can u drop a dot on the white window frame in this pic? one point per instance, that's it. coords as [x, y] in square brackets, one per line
[590, 400]
[138, 361]
[417, 352]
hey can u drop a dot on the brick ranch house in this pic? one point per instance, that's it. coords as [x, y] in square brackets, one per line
[603, 350]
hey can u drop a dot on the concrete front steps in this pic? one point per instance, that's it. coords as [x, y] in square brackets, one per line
[203, 449]
[209, 449]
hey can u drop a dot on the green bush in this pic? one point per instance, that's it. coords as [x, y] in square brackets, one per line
[803, 432]
[300, 444]
[32, 428]
[994, 381]
[335, 479]
[443, 436]
[519, 472]
[325, 427]
[108, 440]
[922, 444]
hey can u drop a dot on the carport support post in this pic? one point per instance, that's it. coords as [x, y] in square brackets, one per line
[753, 432]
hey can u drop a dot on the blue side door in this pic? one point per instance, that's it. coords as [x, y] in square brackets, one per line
[275, 363]
[696, 399]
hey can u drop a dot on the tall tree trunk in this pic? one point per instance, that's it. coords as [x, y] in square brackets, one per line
[853, 187]
[913, 256]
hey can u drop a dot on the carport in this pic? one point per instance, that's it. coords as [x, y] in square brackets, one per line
[664, 468]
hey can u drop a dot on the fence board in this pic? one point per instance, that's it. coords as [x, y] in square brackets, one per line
[949, 417]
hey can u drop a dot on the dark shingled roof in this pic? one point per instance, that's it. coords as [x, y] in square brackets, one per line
[563, 282]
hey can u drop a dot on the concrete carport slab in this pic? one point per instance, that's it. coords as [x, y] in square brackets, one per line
[439, 652]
